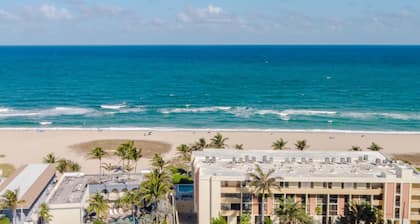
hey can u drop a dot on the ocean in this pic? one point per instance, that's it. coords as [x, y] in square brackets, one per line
[344, 88]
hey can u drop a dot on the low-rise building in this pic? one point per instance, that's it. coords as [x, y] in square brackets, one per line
[322, 182]
[33, 183]
[69, 199]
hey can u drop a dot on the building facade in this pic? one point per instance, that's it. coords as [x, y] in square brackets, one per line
[68, 200]
[34, 183]
[322, 182]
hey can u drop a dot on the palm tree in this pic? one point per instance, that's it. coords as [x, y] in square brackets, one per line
[97, 153]
[359, 213]
[200, 145]
[99, 206]
[374, 147]
[122, 152]
[50, 158]
[155, 188]
[44, 213]
[184, 151]
[65, 165]
[131, 199]
[62, 165]
[301, 144]
[158, 162]
[73, 166]
[239, 146]
[262, 184]
[218, 141]
[10, 200]
[291, 212]
[107, 166]
[279, 144]
[135, 154]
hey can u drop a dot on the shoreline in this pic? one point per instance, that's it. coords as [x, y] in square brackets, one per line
[169, 129]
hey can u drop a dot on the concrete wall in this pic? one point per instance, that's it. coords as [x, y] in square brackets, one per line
[66, 215]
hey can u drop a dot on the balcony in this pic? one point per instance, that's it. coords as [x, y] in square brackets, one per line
[415, 217]
[415, 204]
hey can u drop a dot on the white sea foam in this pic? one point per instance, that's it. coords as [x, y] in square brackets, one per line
[45, 123]
[193, 110]
[3, 109]
[378, 115]
[50, 112]
[113, 106]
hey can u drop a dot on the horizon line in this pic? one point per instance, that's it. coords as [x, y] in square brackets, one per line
[213, 44]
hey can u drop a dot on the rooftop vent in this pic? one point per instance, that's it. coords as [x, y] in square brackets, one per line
[234, 160]
[365, 157]
[327, 160]
[264, 159]
[213, 159]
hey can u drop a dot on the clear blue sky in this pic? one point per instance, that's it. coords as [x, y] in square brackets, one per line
[209, 22]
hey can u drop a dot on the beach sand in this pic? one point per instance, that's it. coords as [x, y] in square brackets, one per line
[30, 146]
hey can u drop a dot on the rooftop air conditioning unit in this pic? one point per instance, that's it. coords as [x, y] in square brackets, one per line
[327, 160]
[365, 157]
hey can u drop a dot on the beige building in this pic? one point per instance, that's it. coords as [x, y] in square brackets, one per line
[33, 183]
[69, 199]
[323, 182]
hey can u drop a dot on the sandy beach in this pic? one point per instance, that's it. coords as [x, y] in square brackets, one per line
[30, 146]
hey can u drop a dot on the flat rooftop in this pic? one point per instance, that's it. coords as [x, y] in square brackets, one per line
[30, 181]
[295, 165]
[72, 187]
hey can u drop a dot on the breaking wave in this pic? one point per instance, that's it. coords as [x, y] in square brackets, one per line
[50, 112]
[193, 110]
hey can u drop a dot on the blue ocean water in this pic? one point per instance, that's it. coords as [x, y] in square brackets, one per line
[373, 88]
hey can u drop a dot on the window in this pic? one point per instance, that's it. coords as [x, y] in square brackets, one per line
[286, 184]
[235, 207]
[397, 213]
[342, 185]
[355, 185]
[324, 185]
[330, 185]
[398, 188]
[377, 197]
[312, 184]
[397, 201]
[247, 198]
[333, 204]
[231, 195]
[299, 184]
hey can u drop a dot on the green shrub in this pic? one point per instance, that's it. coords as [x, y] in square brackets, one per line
[4, 220]
[181, 179]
